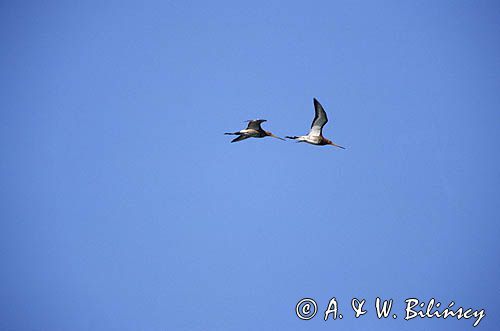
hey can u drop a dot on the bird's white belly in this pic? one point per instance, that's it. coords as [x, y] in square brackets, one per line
[249, 132]
[312, 139]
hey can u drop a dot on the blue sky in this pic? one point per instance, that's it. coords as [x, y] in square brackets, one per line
[124, 207]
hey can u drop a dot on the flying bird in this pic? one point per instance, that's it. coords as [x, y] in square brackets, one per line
[253, 130]
[315, 135]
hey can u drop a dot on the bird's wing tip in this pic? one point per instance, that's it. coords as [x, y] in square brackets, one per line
[261, 120]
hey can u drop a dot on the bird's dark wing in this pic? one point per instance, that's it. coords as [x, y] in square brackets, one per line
[255, 124]
[240, 138]
[319, 121]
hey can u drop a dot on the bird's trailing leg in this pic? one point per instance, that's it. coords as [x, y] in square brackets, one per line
[298, 139]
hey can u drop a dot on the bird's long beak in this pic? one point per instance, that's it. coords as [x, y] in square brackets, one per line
[334, 144]
[272, 135]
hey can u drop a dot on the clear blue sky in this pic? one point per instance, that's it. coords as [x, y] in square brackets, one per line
[124, 207]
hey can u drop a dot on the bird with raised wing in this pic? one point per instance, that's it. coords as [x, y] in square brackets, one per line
[253, 130]
[315, 135]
